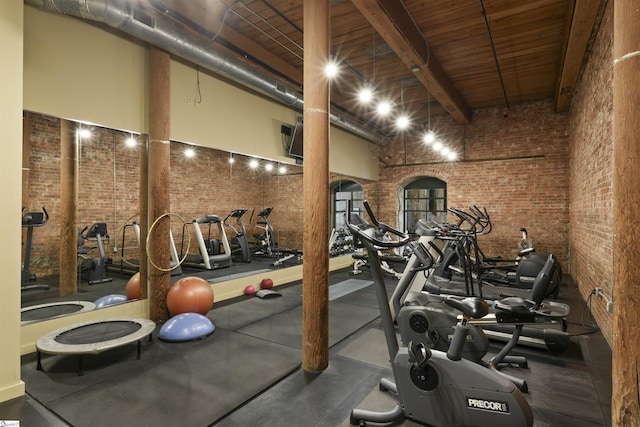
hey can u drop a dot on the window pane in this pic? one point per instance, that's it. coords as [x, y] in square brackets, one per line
[417, 205]
[412, 219]
[424, 198]
[439, 192]
[342, 193]
[416, 193]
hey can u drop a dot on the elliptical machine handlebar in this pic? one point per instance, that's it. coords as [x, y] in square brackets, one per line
[374, 234]
[236, 213]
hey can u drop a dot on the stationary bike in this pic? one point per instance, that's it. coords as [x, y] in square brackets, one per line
[239, 244]
[434, 387]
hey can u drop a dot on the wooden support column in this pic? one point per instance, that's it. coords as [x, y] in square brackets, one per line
[315, 273]
[159, 200]
[626, 205]
[68, 208]
[143, 209]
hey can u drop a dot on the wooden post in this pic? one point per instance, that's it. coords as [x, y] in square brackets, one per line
[68, 208]
[143, 209]
[158, 167]
[626, 205]
[315, 273]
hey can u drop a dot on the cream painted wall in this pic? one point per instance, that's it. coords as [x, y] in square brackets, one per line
[11, 46]
[231, 119]
[80, 72]
[227, 117]
[76, 71]
[352, 156]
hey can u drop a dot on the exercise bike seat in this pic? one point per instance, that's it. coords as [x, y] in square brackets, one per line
[515, 304]
[472, 307]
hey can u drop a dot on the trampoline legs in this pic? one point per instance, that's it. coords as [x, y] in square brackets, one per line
[139, 350]
[80, 366]
[39, 358]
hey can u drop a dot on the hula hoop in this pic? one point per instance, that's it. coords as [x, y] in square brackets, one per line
[120, 232]
[168, 214]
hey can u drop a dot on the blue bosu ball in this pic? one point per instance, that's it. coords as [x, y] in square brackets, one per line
[186, 327]
[108, 300]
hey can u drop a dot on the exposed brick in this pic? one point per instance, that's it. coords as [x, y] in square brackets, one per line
[591, 179]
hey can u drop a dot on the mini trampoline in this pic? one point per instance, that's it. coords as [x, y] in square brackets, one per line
[94, 337]
[36, 313]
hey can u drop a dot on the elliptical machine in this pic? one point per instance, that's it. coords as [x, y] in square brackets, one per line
[265, 244]
[92, 269]
[239, 244]
[30, 220]
[441, 319]
[433, 387]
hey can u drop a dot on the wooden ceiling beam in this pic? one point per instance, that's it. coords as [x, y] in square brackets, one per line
[581, 17]
[394, 24]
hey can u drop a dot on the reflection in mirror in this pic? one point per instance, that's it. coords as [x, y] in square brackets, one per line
[249, 206]
[208, 190]
[107, 192]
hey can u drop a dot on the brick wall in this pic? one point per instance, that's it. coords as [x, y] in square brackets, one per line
[108, 191]
[44, 190]
[107, 186]
[516, 166]
[591, 200]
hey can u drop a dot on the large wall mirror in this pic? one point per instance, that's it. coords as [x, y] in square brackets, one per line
[207, 185]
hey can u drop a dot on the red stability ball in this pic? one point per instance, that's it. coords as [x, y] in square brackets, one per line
[266, 283]
[190, 295]
[132, 291]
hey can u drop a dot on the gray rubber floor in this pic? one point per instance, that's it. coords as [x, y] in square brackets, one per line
[248, 374]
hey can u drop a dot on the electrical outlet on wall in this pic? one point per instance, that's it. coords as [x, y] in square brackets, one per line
[609, 302]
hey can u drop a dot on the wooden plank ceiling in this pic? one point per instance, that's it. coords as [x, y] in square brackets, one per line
[426, 56]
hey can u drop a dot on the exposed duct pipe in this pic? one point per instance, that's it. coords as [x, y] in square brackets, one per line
[168, 36]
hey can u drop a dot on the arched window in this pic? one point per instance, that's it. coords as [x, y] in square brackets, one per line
[424, 198]
[341, 193]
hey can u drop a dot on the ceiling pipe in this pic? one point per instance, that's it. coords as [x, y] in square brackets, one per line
[166, 35]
